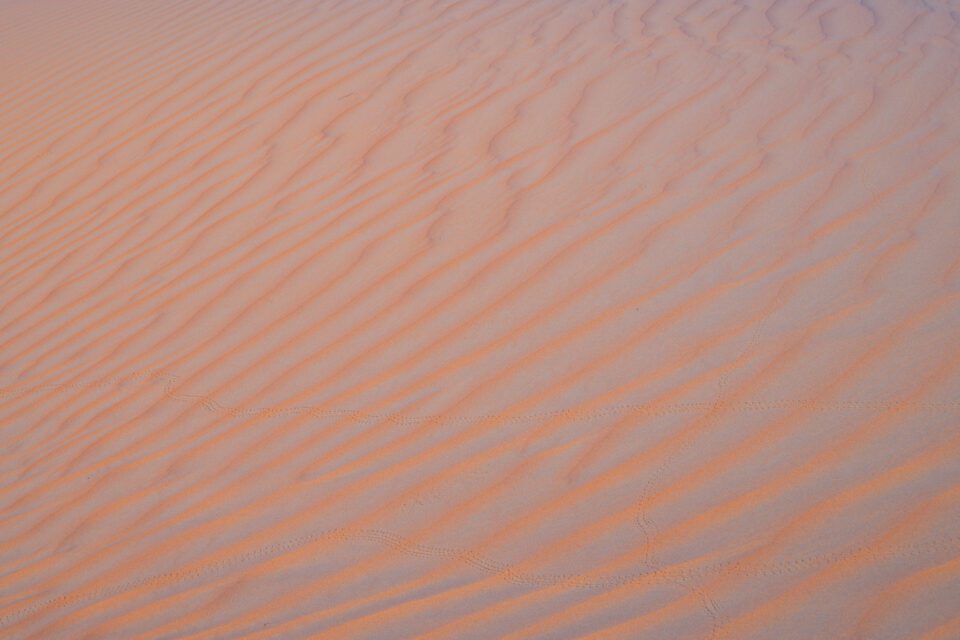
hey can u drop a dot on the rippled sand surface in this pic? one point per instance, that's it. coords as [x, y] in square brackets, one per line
[480, 319]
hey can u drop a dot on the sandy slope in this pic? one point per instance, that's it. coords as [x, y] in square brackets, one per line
[475, 319]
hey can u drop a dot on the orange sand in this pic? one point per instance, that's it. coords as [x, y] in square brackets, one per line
[480, 319]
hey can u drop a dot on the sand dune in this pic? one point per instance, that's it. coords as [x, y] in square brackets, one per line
[474, 319]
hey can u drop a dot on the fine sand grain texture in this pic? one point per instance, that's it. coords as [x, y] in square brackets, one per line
[478, 319]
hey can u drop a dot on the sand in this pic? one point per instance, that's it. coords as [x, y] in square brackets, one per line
[476, 319]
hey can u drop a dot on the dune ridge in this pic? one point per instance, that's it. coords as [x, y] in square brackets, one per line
[463, 319]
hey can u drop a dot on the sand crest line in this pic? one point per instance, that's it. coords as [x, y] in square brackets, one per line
[169, 381]
[502, 570]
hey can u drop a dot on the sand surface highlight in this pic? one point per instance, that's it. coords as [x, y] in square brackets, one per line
[475, 319]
